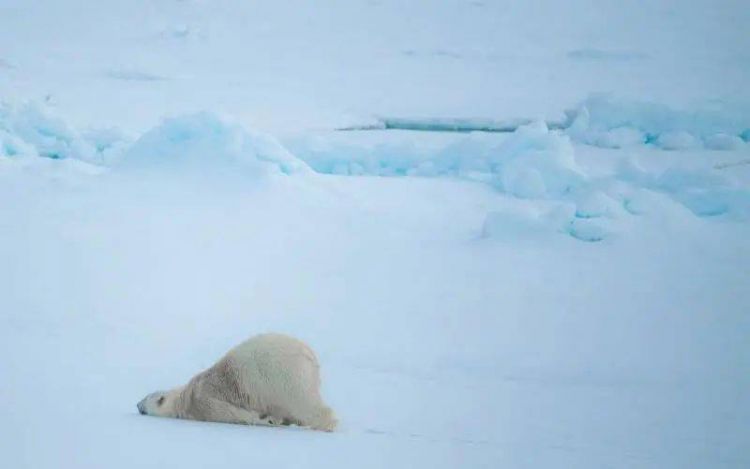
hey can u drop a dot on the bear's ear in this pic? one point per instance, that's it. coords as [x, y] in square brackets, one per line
[161, 400]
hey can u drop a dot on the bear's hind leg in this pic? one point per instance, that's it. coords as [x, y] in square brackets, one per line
[221, 411]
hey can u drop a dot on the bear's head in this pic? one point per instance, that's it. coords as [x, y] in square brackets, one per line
[160, 404]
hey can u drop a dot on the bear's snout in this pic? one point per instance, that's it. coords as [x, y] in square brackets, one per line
[142, 407]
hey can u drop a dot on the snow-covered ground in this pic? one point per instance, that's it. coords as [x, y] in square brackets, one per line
[570, 294]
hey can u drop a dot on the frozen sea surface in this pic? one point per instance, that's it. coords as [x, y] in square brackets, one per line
[567, 291]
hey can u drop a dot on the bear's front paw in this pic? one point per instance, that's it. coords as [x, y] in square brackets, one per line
[270, 420]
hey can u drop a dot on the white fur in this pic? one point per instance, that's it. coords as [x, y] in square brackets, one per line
[270, 379]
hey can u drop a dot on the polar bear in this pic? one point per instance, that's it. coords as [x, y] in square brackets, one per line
[270, 379]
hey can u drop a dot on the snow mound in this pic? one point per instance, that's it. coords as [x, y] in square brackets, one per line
[198, 142]
[591, 217]
[31, 130]
[592, 230]
[679, 140]
[203, 141]
[526, 222]
[610, 123]
[723, 141]
[596, 204]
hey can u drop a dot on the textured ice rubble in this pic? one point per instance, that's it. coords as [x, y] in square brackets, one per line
[31, 130]
[193, 142]
[533, 163]
[613, 123]
[593, 216]
[706, 193]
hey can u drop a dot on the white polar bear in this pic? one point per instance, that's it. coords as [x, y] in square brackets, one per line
[270, 379]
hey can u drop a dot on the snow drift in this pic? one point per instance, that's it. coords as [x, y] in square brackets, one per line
[204, 142]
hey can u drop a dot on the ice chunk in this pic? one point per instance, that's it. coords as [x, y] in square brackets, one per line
[620, 137]
[535, 162]
[31, 130]
[523, 182]
[582, 131]
[608, 122]
[595, 205]
[331, 156]
[713, 202]
[723, 141]
[679, 140]
[588, 230]
[707, 192]
[677, 179]
[426, 168]
[11, 145]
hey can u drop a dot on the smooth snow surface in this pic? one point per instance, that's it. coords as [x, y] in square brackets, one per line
[439, 346]
[567, 291]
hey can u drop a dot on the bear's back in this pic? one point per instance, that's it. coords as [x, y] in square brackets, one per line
[272, 357]
[270, 346]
